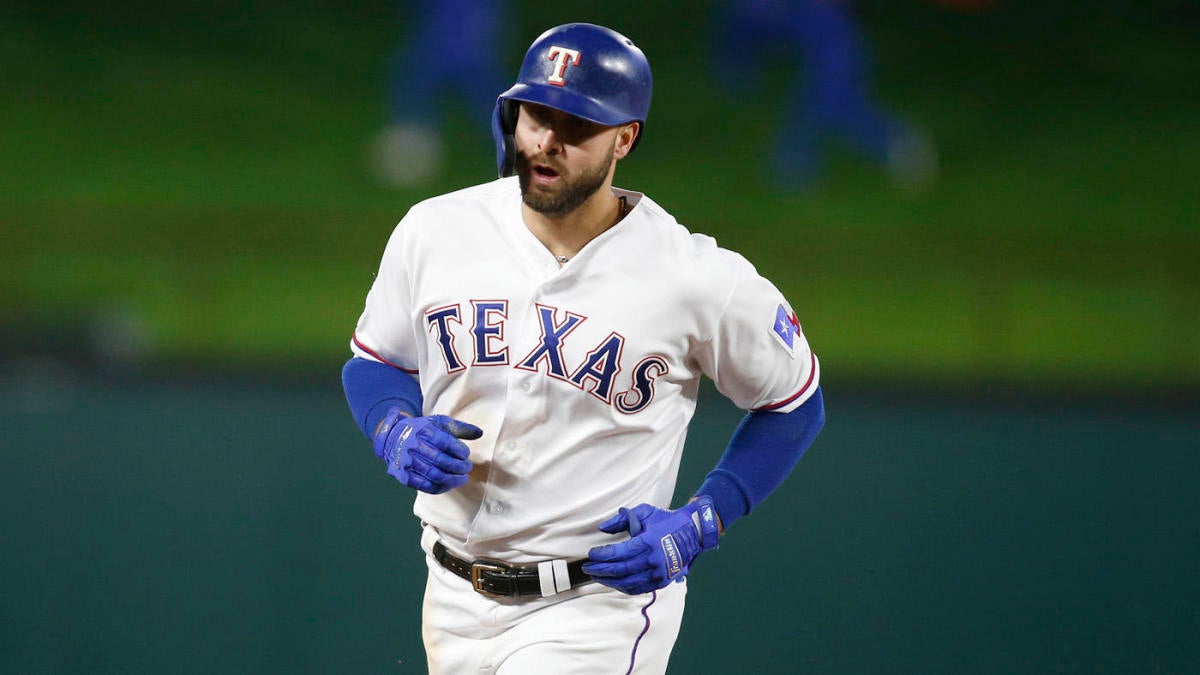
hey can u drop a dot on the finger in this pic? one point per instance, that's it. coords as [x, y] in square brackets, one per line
[436, 457]
[423, 470]
[618, 523]
[635, 523]
[457, 428]
[610, 553]
[436, 474]
[616, 552]
[625, 587]
[435, 482]
[445, 442]
[618, 569]
[643, 582]
[643, 512]
[424, 485]
[439, 488]
[611, 583]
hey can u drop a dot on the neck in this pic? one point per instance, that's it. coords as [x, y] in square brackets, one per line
[564, 235]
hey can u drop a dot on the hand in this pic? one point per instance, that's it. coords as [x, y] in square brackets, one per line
[662, 546]
[425, 453]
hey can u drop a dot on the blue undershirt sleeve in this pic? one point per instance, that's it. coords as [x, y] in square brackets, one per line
[761, 453]
[372, 388]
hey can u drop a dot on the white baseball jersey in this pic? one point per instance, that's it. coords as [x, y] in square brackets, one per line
[582, 376]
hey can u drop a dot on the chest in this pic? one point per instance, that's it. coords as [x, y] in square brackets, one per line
[612, 333]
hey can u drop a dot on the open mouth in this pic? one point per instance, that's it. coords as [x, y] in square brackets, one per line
[544, 172]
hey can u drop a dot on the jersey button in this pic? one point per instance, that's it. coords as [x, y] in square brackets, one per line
[496, 508]
[525, 387]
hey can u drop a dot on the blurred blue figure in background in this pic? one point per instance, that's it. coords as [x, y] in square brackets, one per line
[451, 54]
[833, 99]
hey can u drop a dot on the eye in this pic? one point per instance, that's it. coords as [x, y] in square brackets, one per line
[569, 128]
[533, 116]
[578, 129]
[579, 126]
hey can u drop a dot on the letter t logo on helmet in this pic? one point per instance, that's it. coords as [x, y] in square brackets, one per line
[582, 69]
[562, 57]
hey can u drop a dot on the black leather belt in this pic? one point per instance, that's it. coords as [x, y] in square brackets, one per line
[498, 579]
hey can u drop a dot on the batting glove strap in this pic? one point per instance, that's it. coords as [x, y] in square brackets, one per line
[379, 439]
[704, 516]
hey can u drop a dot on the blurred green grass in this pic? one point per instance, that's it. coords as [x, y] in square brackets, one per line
[204, 169]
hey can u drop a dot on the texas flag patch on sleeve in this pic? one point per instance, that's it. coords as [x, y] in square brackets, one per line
[786, 328]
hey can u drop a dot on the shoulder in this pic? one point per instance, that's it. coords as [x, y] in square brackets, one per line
[678, 245]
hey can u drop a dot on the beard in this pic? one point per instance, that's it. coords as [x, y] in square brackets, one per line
[572, 191]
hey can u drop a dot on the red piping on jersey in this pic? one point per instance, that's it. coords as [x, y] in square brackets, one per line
[812, 372]
[372, 352]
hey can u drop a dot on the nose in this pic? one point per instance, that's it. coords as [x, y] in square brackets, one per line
[548, 141]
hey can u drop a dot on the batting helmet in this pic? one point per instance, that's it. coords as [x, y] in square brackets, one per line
[582, 69]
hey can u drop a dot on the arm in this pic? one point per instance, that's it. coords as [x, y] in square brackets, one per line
[425, 453]
[663, 544]
[372, 388]
[762, 452]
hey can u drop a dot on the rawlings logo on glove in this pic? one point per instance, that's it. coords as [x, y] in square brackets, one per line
[662, 546]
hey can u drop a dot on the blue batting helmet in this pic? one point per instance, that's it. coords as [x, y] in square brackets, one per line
[582, 69]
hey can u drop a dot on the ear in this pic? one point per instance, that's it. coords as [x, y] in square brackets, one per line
[626, 135]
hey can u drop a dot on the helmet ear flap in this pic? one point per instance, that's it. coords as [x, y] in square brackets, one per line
[504, 128]
[509, 110]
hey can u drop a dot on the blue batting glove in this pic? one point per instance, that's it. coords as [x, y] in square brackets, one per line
[662, 546]
[425, 453]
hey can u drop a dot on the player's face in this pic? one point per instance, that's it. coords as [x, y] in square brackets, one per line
[562, 160]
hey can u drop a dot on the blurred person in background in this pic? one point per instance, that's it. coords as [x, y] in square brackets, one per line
[832, 100]
[449, 56]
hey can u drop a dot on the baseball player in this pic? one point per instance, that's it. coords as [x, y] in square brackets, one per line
[528, 361]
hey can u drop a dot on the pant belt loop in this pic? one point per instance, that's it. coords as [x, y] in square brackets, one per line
[429, 537]
[554, 577]
[562, 577]
[546, 578]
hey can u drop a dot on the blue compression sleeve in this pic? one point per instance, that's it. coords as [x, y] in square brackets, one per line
[370, 384]
[762, 452]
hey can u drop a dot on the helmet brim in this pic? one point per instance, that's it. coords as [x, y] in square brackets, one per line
[568, 101]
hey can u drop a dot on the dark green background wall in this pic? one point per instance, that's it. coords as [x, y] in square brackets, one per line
[242, 527]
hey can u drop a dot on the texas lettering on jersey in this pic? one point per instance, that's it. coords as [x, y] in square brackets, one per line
[485, 346]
